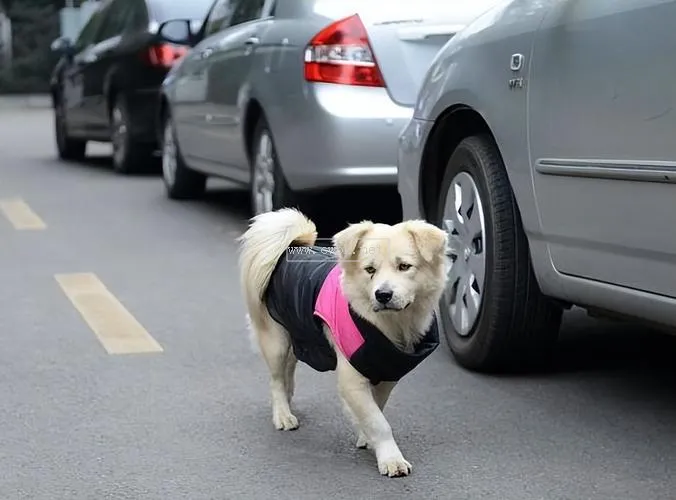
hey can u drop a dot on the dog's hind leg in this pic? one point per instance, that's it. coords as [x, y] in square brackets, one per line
[381, 393]
[276, 348]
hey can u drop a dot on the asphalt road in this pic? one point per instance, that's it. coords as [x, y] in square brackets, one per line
[192, 421]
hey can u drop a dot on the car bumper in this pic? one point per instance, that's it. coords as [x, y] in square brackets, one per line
[344, 136]
[411, 146]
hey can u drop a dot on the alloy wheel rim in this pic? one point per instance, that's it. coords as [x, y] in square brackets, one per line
[118, 136]
[169, 156]
[465, 223]
[263, 176]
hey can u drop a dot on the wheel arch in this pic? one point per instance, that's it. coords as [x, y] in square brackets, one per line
[453, 125]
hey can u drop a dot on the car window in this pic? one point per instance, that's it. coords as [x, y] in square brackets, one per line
[115, 19]
[195, 10]
[88, 33]
[138, 16]
[246, 10]
[219, 17]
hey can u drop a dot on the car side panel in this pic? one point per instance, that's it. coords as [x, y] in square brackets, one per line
[277, 81]
[73, 92]
[105, 56]
[230, 71]
[478, 92]
[474, 71]
[476, 65]
[190, 104]
[602, 141]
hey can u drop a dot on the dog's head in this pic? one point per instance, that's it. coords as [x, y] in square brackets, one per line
[390, 268]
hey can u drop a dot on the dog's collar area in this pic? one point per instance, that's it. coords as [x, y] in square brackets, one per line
[380, 360]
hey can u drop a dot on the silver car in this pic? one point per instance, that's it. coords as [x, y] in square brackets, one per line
[543, 141]
[295, 96]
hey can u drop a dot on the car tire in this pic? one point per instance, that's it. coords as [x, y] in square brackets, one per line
[129, 155]
[268, 188]
[514, 326]
[181, 182]
[67, 147]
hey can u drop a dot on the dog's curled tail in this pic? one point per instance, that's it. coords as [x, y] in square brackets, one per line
[266, 240]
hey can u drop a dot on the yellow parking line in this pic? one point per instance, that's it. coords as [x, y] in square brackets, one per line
[115, 327]
[21, 215]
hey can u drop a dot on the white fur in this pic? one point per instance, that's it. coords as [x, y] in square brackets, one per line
[372, 257]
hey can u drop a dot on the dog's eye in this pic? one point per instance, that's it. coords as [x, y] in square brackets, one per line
[404, 267]
[370, 269]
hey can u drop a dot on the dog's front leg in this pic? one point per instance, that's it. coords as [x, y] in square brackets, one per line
[355, 391]
[381, 393]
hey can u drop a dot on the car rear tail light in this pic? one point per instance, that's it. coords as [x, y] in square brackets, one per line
[341, 53]
[164, 55]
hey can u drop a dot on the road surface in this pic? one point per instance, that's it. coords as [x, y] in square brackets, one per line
[126, 371]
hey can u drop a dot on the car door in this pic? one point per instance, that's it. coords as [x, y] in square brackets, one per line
[101, 58]
[73, 83]
[227, 71]
[189, 104]
[602, 118]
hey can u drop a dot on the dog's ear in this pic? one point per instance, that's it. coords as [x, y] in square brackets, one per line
[429, 239]
[347, 240]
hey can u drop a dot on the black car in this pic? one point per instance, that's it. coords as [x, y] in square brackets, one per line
[105, 86]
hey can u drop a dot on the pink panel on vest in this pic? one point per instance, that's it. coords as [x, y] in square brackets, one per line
[332, 307]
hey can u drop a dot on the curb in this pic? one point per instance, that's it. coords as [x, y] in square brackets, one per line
[30, 101]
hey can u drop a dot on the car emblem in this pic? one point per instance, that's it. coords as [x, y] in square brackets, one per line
[515, 64]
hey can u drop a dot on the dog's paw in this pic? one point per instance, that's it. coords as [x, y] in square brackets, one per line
[285, 421]
[395, 467]
[362, 442]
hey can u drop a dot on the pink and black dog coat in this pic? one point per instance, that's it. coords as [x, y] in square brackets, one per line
[304, 293]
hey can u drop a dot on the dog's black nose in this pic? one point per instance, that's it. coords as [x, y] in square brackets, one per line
[384, 296]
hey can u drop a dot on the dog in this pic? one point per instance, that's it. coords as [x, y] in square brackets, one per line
[364, 308]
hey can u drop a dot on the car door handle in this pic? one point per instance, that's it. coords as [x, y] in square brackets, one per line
[254, 40]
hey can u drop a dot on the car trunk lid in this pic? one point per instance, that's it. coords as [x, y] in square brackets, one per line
[406, 36]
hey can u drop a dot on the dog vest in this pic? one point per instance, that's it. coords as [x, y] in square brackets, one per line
[304, 293]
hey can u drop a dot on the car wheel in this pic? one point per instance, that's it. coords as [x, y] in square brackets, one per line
[68, 148]
[180, 181]
[494, 315]
[268, 187]
[129, 155]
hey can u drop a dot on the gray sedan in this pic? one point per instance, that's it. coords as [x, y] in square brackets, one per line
[295, 96]
[542, 140]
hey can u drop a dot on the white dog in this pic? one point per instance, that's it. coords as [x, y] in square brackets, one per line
[364, 308]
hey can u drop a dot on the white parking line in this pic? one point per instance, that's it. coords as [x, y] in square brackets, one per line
[20, 215]
[111, 322]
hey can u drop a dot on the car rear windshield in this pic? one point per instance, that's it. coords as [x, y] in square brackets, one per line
[181, 9]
